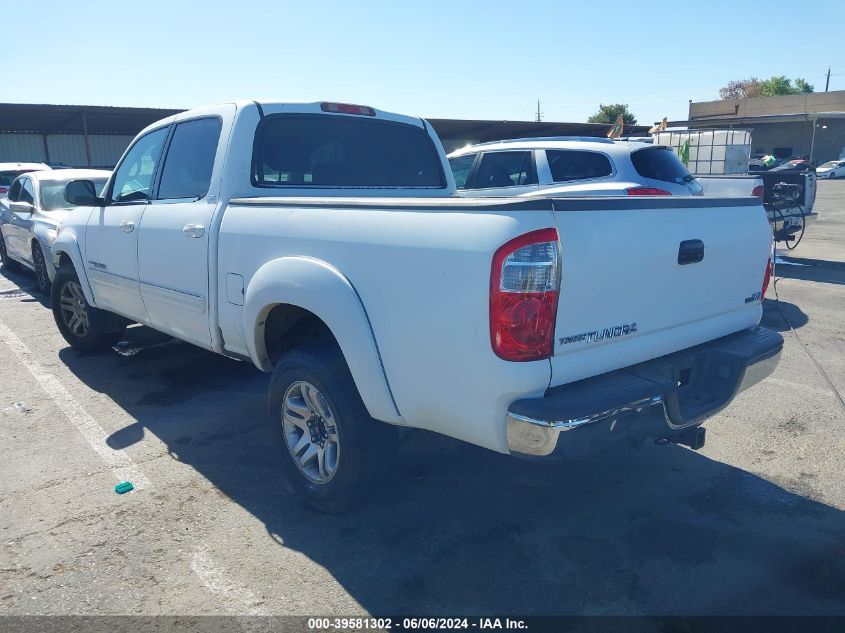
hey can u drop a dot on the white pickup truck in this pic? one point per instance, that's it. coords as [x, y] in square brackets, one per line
[323, 243]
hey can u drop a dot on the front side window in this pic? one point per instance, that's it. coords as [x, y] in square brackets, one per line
[190, 159]
[343, 151]
[52, 193]
[660, 163]
[505, 169]
[461, 166]
[27, 191]
[566, 165]
[134, 177]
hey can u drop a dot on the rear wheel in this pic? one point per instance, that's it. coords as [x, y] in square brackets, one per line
[332, 447]
[40, 265]
[78, 322]
[8, 263]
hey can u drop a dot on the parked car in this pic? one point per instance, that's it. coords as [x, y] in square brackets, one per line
[31, 214]
[570, 166]
[794, 165]
[323, 243]
[10, 171]
[831, 169]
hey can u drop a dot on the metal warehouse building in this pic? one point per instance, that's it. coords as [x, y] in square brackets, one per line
[95, 136]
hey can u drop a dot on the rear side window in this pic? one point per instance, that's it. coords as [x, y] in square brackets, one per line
[461, 166]
[6, 177]
[567, 165]
[190, 159]
[505, 169]
[343, 151]
[660, 163]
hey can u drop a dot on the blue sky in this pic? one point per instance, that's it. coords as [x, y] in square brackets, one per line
[437, 59]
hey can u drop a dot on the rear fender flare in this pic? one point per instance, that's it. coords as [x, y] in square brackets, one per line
[323, 290]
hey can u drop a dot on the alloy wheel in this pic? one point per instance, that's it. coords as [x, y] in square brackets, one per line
[40, 268]
[310, 432]
[74, 309]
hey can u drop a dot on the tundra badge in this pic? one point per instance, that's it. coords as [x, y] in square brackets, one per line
[600, 335]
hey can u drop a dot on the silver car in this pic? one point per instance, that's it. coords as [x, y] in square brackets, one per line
[567, 166]
[30, 216]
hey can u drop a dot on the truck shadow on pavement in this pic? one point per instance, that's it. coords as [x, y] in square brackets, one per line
[458, 530]
[780, 315]
[820, 270]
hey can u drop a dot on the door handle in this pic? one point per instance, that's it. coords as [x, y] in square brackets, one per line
[127, 227]
[690, 252]
[193, 230]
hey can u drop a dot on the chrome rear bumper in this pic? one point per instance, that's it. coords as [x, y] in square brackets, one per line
[658, 398]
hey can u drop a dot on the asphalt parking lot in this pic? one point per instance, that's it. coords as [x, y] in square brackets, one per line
[752, 524]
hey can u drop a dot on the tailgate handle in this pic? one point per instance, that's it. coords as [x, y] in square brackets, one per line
[690, 252]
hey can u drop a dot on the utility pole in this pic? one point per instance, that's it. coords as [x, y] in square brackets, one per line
[539, 112]
[827, 82]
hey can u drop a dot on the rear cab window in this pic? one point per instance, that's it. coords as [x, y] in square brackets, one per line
[660, 163]
[505, 169]
[305, 150]
[567, 165]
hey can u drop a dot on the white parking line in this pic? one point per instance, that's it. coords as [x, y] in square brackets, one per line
[217, 583]
[244, 602]
[120, 463]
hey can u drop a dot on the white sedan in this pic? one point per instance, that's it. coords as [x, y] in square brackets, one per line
[831, 169]
[31, 214]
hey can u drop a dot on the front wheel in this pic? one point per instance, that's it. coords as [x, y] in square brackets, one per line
[40, 265]
[78, 322]
[332, 447]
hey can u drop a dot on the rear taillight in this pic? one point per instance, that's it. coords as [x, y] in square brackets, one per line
[646, 191]
[347, 108]
[758, 191]
[4, 190]
[524, 288]
[766, 278]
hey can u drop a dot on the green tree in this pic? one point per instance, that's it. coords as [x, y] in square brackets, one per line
[802, 86]
[608, 114]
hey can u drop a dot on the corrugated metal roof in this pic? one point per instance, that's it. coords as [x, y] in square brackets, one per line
[68, 119]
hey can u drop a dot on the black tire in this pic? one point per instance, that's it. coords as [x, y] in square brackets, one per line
[8, 263]
[364, 447]
[94, 337]
[42, 277]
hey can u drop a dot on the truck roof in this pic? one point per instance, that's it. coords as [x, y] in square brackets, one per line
[272, 106]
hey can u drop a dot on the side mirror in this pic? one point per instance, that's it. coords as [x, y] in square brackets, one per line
[82, 193]
[21, 207]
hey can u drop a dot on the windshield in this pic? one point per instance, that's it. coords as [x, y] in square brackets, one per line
[53, 193]
[660, 163]
[830, 164]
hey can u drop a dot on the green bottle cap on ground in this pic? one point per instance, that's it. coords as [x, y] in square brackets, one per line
[123, 487]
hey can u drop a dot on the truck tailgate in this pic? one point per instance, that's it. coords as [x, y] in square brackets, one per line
[633, 287]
